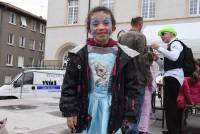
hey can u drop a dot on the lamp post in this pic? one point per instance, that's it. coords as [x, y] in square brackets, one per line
[89, 3]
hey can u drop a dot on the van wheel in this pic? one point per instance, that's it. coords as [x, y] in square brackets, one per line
[7, 97]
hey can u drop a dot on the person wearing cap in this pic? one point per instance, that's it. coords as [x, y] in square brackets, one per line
[173, 76]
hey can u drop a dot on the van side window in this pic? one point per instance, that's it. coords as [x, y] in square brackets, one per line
[19, 80]
[28, 78]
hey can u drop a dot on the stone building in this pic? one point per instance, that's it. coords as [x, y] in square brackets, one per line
[66, 22]
[22, 41]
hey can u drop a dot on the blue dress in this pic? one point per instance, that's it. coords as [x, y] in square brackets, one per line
[101, 66]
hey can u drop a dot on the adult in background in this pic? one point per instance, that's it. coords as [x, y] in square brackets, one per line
[136, 40]
[173, 76]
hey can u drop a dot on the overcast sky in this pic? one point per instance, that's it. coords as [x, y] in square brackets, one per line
[37, 7]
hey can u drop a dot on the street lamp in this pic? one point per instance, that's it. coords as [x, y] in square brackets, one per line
[89, 3]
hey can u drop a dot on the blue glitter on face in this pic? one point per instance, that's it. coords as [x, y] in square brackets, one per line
[96, 21]
[107, 21]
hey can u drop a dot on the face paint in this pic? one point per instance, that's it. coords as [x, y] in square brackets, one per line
[108, 21]
[95, 22]
[101, 27]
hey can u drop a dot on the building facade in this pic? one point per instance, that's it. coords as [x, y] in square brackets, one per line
[66, 22]
[22, 41]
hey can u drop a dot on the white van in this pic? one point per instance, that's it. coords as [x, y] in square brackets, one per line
[33, 83]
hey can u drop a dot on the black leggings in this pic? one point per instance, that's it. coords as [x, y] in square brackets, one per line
[171, 90]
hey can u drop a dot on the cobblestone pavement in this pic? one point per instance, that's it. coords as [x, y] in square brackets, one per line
[42, 116]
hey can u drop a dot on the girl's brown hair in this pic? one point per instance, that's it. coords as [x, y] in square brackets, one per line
[196, 75]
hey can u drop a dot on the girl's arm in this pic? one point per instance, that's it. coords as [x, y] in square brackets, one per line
[69, 103]
[132, 92]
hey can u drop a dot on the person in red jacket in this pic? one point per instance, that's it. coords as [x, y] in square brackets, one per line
[190, 90]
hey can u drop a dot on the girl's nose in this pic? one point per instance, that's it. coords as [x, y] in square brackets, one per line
[101, 26]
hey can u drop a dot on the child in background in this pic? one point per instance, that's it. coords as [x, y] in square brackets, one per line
[143, 126]
[190, 90]
[99, 93]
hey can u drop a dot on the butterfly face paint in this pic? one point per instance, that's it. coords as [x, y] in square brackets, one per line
[106, 22]
[101, 26]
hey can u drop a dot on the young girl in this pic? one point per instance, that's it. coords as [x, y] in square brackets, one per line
[190, 90]
[99, 91]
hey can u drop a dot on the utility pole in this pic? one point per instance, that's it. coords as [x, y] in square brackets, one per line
[89, 3]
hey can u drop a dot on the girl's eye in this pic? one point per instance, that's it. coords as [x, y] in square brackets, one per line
[106, 22]
[94, 22]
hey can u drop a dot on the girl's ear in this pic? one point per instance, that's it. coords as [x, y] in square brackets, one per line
[113, 28]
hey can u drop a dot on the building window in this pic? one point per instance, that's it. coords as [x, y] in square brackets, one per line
[72, 11]
[194, 7]
[42, 28]
[20, 61]
[41, 48]
[7, 79]
[40, 63]
[148, 8]
[11, 38]
[9, 61]
[31, 62]
[32, 44]
[22, 40]
[108, 3]
[33, 25]
[23, 22]
[12, 18]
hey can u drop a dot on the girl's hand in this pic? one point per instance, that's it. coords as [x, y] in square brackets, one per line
[125, 125]
[72, 122]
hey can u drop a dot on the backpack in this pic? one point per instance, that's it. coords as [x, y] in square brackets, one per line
[119, 34]
[188, 64]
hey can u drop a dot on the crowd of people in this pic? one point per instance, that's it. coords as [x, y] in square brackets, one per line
[108, 84]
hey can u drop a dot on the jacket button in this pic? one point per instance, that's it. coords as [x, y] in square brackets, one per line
[79, 66]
